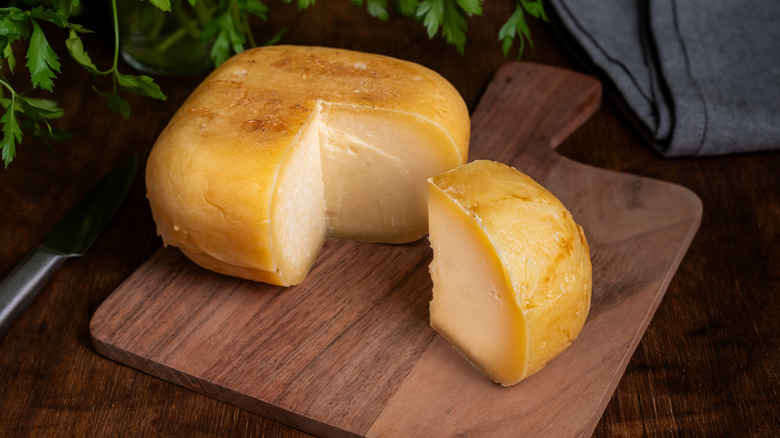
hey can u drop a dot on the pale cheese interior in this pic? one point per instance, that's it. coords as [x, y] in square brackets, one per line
[356, 173]
[375, 166]
[298, 217]
[472, 306]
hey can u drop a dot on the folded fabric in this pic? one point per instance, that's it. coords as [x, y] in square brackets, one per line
[700, 77]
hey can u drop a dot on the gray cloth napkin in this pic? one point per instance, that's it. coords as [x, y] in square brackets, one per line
[700, 77]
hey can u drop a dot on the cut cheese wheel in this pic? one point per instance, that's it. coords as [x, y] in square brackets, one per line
[511, 269]
[282, 147]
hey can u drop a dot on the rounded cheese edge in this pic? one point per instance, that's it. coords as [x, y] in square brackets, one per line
[210, 203]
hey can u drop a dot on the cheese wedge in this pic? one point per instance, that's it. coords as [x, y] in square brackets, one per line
[511, 269]
[282, 147]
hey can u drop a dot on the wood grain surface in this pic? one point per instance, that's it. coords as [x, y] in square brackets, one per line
[349, 351]
[708, 364]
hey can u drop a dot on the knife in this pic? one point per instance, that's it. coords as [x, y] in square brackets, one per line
[72, 237]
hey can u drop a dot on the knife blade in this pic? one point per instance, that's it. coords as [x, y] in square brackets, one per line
[71, 237]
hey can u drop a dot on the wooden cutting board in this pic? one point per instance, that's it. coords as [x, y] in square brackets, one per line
[349, 352]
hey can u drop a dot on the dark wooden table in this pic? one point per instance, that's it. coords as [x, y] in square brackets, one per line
[708, 365]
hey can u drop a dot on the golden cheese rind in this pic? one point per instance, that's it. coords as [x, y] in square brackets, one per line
[222, 173]
[511, 269]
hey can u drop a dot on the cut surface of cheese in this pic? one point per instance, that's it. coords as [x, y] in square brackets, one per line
[282, 147]
[511, 269]
[375, 179]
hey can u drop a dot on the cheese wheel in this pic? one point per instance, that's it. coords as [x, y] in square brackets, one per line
[283, 146]
[511, 269]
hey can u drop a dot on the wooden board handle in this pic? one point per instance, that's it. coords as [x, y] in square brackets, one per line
[547, 104]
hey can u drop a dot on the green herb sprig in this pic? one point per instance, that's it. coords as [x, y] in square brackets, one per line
[24, 114]
[449, 19]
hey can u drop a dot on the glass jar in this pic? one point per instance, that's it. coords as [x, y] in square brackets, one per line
[165, 43]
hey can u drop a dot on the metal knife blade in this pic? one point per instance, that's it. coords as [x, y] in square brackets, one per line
[72, 237]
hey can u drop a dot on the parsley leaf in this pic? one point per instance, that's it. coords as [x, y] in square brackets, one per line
[535, 8]
[255, 7]
[303, 4]
[13, 23]
[143, 85]
[378, 9]
[41, 59]
[115, 103]
[407, 8]
[226, 35]
[42, 13]
[471, 7]
[164, 5]
[432, 13]
[13, 27]
[77, 52]
[8, 55]
[375, 8]
[39, 110]
[454, 27]
[12, 133]
[65, 7]
[450, 17]
[516, 26]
